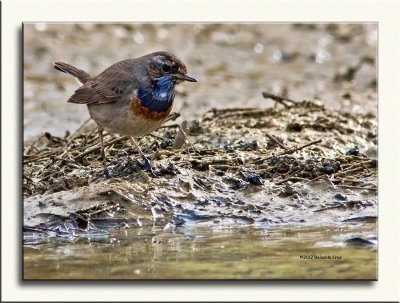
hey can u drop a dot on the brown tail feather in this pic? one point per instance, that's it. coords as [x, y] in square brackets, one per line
[81, 75]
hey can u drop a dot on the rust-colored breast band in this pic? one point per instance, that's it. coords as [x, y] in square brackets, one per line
[138, 109]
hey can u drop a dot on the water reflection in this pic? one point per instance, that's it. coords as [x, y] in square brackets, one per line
[206, 253]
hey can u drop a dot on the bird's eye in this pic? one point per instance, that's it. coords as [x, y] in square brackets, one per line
[165, 68]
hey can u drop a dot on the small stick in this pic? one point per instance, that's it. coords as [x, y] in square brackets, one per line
[230, 110]
[356, 187]
[344, 180]
[347, 204]
[241, 114]
[41, 157]
[71, 136]
[275, 97]
[276, 141]
[278, 99]
[97, 147]
[328, 208]
[101, 209]
[211, 161]
[352, 170]
[357, 164]
[290, 151]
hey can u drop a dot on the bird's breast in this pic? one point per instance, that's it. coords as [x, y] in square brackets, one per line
[139, 109]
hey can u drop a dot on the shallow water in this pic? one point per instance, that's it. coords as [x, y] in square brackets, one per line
[228, 252]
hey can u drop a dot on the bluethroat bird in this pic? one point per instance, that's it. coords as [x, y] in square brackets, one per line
[132, 97]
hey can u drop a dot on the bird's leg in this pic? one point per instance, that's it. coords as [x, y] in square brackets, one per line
[107, 174]
[147, 165]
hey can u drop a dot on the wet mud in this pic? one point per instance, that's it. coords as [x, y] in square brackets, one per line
[300, 163]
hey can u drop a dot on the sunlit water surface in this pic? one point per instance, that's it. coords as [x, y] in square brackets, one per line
[283, 252]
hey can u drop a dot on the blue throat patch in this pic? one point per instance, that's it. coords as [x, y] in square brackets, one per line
[160, 98]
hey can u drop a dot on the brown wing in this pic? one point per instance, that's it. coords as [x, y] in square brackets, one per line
[105, 88]
[93, 92]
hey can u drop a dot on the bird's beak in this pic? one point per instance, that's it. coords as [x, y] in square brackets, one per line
[185, 78]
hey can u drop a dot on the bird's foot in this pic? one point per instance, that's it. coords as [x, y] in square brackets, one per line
[147, 166]
[106, 173]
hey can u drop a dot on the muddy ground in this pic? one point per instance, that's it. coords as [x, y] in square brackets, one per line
[281, 129]
[299, 164]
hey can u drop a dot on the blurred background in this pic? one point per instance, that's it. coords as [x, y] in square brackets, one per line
[233, 63]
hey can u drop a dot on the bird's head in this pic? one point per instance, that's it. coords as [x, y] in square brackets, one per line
[164, 65]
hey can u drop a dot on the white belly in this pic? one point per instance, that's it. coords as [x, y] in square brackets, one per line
[116, 119]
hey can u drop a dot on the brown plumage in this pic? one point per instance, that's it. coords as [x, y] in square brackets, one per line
[93, 90]
[132, 97]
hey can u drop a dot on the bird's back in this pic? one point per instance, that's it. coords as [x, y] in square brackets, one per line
[111, 85]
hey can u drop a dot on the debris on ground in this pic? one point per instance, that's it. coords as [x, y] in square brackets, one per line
[298, 163]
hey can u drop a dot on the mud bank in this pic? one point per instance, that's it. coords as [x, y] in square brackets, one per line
[295, 163]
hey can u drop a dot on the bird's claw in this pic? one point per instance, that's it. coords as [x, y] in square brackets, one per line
[147, 167]
[106, 173]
